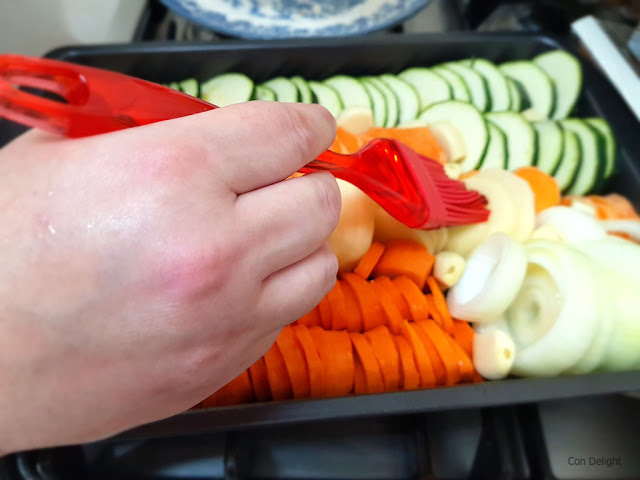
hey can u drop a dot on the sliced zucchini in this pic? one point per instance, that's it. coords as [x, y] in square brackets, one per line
[175, 86]
[521, 138]
[190, 86]
[431, 87]
[227, 88]
[550, 144]
[535, 83]
[303, 89]
[327, 97]
[459, 89]
[350, 91]
[515, 96]
[469, 121]
[475, 83]
[496, 83]
[591, 165]
[601, 125]
[285, 89]
[408, 100]
[496, 154]
[378, 102]
[390, 99]
[566, 72]
[264, 93]
[570, 161]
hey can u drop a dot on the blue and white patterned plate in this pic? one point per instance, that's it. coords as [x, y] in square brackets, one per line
[271, 19]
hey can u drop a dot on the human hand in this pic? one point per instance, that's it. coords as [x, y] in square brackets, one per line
[142, 270]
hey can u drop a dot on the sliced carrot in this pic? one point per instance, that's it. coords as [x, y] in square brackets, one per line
[441, 304]
[437, 364]
[385, 350]
[405, 258]
[477, 378]
[351, 308]
[237, 391]
[350, 142]
[369, 303]
[419, 139]
[260, 380]
[295, 362]
[465, 365]
[369, 260]
[335, 298]
[446, 352]
[420, 356]
[463, 335]
[326, 315]
[279, 382]
[391, 312]
[317, 383]
[360, 381]
[546, 192]
[409, 376]
[337, 145]
[372, 372]
[208, 402]
[468, 174]
[336, 353]
[311, 318]
[414, 297]
[433, 311]
[623, 208]
[398, 299]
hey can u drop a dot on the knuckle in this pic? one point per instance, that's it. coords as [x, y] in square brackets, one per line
[327, 198]
[299, 132]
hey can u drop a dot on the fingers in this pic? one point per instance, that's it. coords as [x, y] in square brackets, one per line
[260, 143]
[291, 292]
[283, 223]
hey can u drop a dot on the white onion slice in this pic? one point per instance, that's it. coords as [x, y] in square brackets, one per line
[574, 225]
[615, 254]
[490, 281]
[493, 353]
[630, 227]
[554, 316]
[448, 267]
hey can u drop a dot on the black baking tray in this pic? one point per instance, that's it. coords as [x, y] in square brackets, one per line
[318, 59]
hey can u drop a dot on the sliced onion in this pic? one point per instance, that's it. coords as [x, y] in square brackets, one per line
[493, 353]
[574, 225]
[448, 267]
[615, 254]
[547, 232]
[490, 280]
[554, 316]
[630, 227]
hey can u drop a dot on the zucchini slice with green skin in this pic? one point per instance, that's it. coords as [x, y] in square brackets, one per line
[390, 99]
[469, 121]
[327, 97]
[264, 93]
[227, 88]
[496, 82]
[350, 91]
[601, 125]
[303, 88]
[431, 87]
[566, 73]
[459, 89]
[521, 138]
[550, 143]
[535, 83]
[190, 86]
[285, 89]
[496, 154]
[515, 96]
[570, 161]
[379, 103]
[591, 165]
[175, 86]
[408, 100]
[475, 83]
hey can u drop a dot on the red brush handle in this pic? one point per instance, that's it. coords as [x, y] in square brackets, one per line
[98, 101]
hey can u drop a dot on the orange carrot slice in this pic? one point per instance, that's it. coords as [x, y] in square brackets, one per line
[437, 364]
[336, 354]
[372, 372]
[391, 312]
[465, 365]
[414, 297]
[360, 381]
[326, 315]
[405, 258]
[463, 335]
[409, 376]
[260, 380]
[317, 383]
[433, 311]
[622, 207]
[335, 298]
[468, 174]
[419, 139]
[294, 362]
[237, 391]
[398, 299]
[208, 402]
[279, 382]
[350, 142]
[441, 304]
[385, 350]
[369, 260]
[369, 303]
[546, 192]
[420, 356]
[310, 319]
[351, 308]
[440, 341]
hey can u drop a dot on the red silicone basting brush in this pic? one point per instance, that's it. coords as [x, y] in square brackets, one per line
[414, 189]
